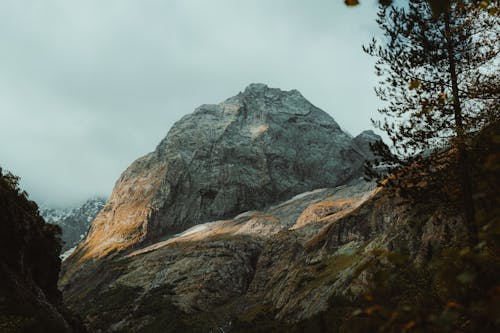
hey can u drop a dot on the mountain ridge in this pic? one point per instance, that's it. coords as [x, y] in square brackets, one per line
[74, 221]
[255, 148]
[347, 258]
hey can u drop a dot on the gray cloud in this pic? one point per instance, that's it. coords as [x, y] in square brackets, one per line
[88, 86]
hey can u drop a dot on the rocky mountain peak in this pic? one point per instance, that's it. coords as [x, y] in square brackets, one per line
[273, 100]
[261, 90]
[368, 134]
[74, 221]
[251, 150]
[257, 87]
[363, 141]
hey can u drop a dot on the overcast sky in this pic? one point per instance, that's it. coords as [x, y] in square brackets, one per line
[86, 87]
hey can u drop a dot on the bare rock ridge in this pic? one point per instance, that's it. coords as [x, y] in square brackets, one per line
[254, 149]
[298, 263]
[363, 140]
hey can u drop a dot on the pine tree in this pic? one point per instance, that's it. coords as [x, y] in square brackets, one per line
[439, 72]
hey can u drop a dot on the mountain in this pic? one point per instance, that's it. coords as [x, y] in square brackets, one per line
[257, 148]
[258, 262]
[194, 218]
[317, 249]
[269, 270]
[363, 141]
[74, 222]
[341, 259]
[29, 267]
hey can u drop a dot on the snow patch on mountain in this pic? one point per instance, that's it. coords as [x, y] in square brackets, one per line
[74, 221]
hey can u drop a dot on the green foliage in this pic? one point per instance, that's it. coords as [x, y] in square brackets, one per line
[9, 185]
[416, 77]
[416, 298]
[439, 79]
[111, 306]
[440, 6]
[14, 323]
[258, 318]
[166, 316]
[29, 266]
[456, 289]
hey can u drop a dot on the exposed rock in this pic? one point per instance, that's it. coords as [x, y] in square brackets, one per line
[209, 265]
[288, 260]
[363, 140]
[74, 222]
[321, 261]
[343, 259]
[254, 149]
[241, 156]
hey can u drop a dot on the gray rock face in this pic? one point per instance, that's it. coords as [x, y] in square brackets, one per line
[363, 140]
[74, 222]
[259, 147]
[279, 265]
[212, 264]
[254, 149]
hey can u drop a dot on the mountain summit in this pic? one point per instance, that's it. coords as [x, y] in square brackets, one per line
[252, 150]
[292, 262]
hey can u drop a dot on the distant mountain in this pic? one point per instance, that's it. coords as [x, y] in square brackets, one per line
[252, 216]
[254, 152]
[75, 221]
[363, 141]
[262, 146]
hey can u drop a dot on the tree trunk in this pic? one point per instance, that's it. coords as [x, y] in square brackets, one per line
[463, 156]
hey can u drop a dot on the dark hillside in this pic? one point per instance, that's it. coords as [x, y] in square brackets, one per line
[29, 267]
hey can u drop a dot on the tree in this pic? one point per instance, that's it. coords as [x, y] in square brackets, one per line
[439, 72]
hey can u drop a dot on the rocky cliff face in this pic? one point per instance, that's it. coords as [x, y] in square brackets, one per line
[363, 141]
[254, 149]
[232, 263]
[266, 270]
[348, 258]
[74, 222]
